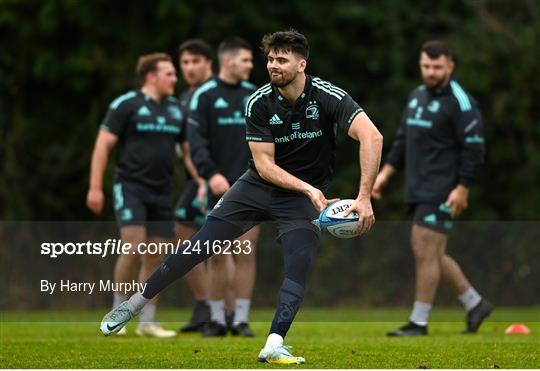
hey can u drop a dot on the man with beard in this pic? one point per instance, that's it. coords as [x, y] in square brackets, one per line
[291, 130]
[441, 145]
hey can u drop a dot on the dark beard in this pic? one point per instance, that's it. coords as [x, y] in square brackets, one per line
[438, 84]
[281, 84]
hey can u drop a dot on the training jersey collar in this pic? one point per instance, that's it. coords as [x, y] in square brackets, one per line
[440, 91]
[300, 100]
[228, 84]
[148, 98]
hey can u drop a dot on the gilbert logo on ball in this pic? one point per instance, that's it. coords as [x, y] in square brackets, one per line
[517, 328]
[332, 219]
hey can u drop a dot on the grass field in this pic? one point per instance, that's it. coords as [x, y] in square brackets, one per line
[327, 338]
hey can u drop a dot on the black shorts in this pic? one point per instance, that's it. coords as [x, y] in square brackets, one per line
[188, 208]
[251, 201]
[137, 205]
[436, 217]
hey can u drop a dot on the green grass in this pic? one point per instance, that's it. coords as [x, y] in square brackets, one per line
[327, 338]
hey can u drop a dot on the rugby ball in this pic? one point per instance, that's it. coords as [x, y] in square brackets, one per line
[332, 220]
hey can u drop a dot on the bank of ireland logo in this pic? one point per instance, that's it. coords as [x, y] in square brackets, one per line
[161, 120]
[413, 103]
[312, 111]
[434, 106]
[275, 120]
[295, 126]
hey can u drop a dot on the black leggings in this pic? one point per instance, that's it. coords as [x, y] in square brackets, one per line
[299, 248]
[178, 264]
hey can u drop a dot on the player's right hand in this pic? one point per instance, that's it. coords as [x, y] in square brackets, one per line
[218, 184]
[95, 200]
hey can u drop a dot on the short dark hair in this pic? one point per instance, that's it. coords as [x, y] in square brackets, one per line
[286, 41]
[196, 46]
[232, 45]
[148, 63]
[436, 48]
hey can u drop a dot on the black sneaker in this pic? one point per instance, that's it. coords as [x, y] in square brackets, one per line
[214, 329]
[242, 329]
[410, 329]
[229, 318]
[199, 317]
[477, 315]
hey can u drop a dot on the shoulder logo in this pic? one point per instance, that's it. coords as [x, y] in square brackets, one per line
[413, 103]
[434, 106]
[144, 111]
[312, 111]
[221, 103]
[275, 120]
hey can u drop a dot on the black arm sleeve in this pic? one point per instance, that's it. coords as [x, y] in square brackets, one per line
[198, 132]
[117, 118]
[183, 133]
[342, 108]
[469, 130]
[396, 156]
[257, 125]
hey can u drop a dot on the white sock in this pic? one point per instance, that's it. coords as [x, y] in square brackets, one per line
[420, 313]
[217, 311]
[119, 298]
[241, 311]
[273, 340]
[470, 298]
[137, 301]
[148, 314]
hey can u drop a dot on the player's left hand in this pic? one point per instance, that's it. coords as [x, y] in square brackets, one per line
[366, 217]
[457, 200]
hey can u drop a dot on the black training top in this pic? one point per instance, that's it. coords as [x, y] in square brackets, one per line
[184, 98]
[216, 128]
[440, 142]
[304, 132]
[147, 133]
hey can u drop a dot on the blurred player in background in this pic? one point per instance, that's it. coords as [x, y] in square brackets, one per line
[216, 133]
[195, 61]
[146, 124]
[441, 145]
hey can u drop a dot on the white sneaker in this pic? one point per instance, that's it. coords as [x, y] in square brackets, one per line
[154, 330]
[116, 319]
[280, 354]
